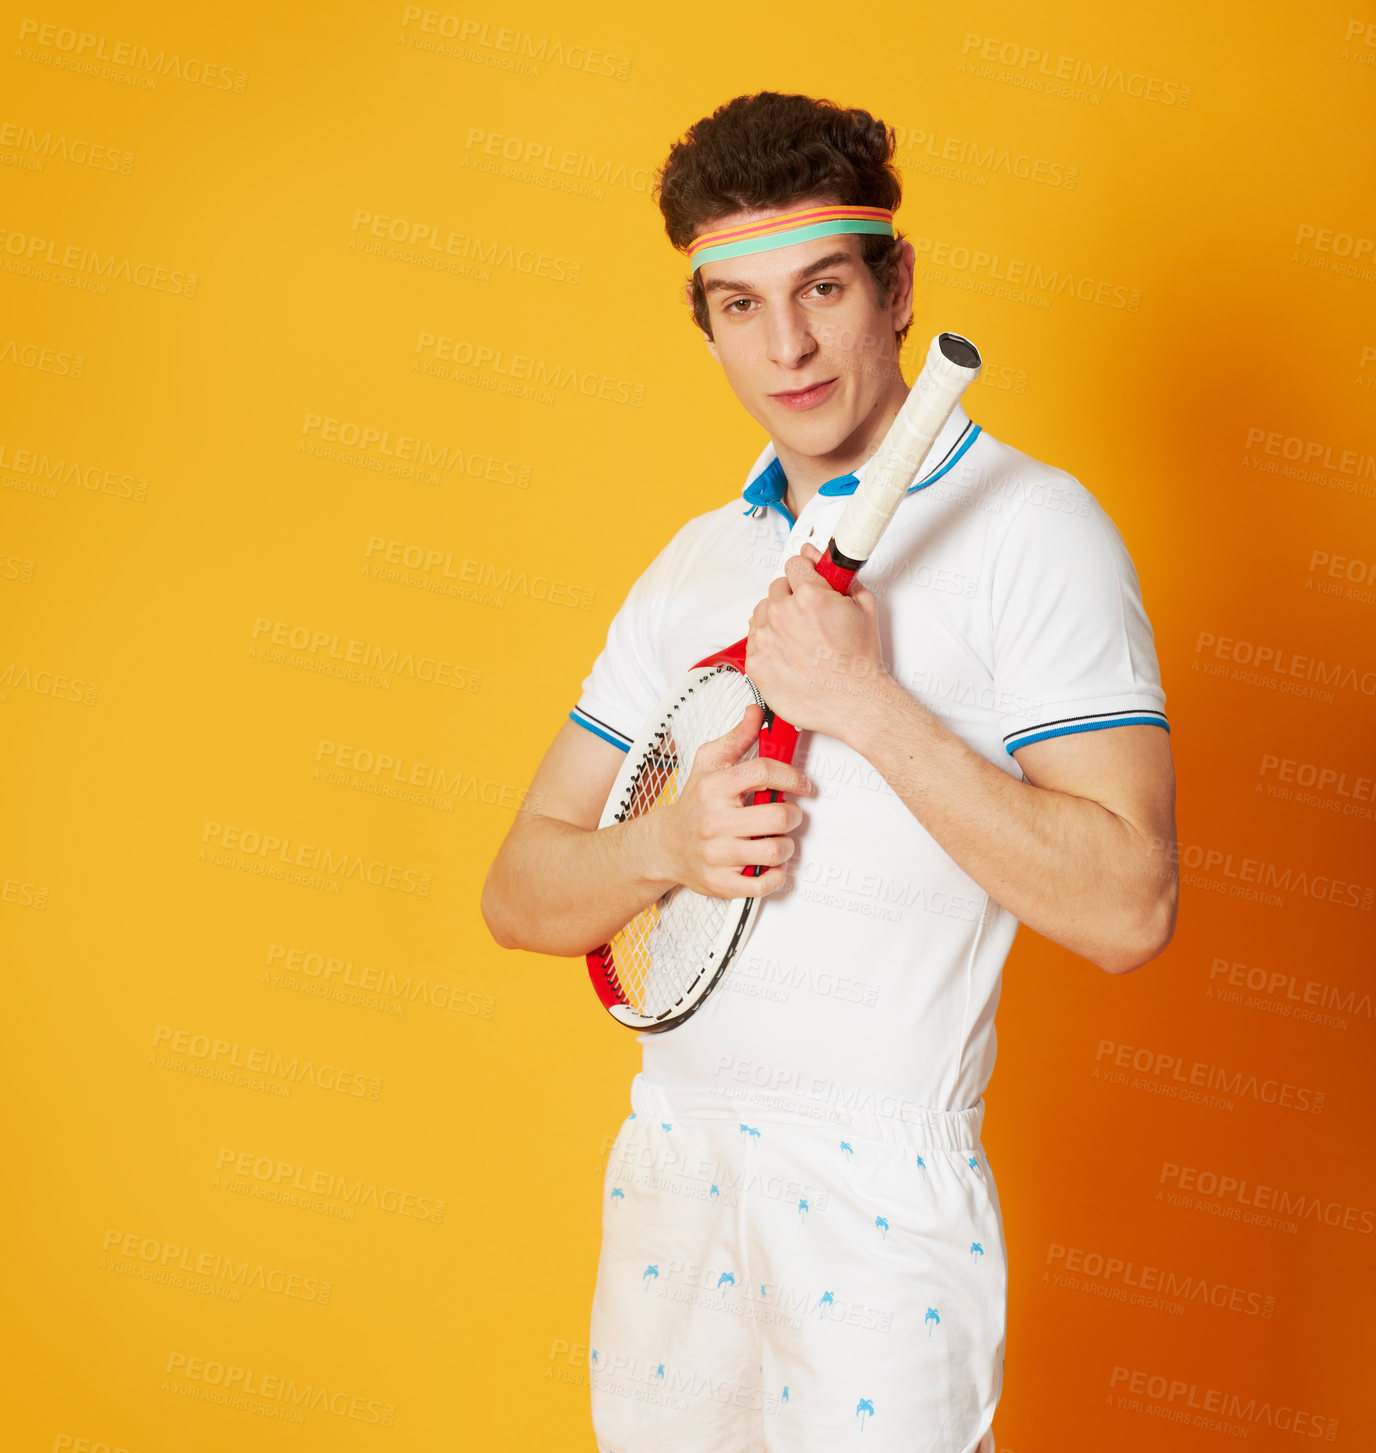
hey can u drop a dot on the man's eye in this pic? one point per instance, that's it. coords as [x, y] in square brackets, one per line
[732, 304]
[827, 285]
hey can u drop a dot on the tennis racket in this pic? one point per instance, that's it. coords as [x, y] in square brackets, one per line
[659, 968]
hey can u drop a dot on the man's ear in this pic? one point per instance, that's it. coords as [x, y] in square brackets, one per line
[901, 297]
[711, 348]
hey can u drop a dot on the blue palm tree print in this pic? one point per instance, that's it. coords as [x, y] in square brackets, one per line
[593, 1358]
[618, 1194]
[659, 1372]
[974, 1166]
[864, 1409]
[846, 1149]
[650, 1271]
[666, 1125]
[783, 1396]
[802, 1210]
[976, 1249]
[827, 1301]
[933, 1319]
[922, 1166]
[726, 1279]
[714, 1193]
[882, 1222]
[750, 1132]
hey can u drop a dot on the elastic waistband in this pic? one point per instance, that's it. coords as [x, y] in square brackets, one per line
[868, 1114]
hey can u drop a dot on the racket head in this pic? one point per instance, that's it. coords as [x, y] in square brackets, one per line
[659, 968]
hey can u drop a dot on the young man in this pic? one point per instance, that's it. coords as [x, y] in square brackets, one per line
[802, 1240]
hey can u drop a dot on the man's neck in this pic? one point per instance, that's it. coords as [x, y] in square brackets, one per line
[807, 473]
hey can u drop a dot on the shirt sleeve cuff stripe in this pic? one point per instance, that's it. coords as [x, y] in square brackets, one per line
[1084, 724]
[606, 733]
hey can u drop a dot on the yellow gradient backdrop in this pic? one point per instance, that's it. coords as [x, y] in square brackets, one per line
[300, 572]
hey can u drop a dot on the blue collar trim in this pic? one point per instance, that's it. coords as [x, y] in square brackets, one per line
[768, 488]
[972, 432]
[770, 484]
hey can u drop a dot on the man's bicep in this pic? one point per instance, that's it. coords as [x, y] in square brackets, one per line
[1127, 769]
[573, 780]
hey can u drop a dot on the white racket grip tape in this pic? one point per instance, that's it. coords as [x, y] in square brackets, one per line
[892, 468]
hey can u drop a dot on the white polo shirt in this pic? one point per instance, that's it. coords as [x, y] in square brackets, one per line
[1009, 607]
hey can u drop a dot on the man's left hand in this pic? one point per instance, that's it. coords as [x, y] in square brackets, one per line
[815, 655]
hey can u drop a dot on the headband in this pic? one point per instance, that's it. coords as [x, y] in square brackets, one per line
[787, 228]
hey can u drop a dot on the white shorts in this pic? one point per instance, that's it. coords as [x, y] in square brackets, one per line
[772, 1281]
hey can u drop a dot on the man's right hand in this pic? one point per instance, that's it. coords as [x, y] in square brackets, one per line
[709, 835]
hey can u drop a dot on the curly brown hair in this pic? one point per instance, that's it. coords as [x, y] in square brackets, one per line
[772, 148]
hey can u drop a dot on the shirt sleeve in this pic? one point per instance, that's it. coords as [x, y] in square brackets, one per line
[627, 681]
[1073, 648]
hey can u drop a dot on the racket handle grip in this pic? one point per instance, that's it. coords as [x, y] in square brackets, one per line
[837, 576]
[778, 741]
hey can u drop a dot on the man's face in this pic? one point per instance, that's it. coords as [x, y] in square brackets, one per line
[804, 339]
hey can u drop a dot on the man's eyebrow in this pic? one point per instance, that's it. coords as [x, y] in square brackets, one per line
[725, 285]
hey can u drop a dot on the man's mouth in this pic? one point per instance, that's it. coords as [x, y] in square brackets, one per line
[806, 398]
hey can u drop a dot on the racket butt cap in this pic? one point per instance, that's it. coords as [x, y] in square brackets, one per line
[958, 350]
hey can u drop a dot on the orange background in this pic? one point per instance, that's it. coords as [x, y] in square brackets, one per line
[382, 1181]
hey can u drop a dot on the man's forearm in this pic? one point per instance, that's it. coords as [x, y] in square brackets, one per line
[556, 888]
[1066, 866]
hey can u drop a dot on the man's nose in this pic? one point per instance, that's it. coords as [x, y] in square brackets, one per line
[790, 337]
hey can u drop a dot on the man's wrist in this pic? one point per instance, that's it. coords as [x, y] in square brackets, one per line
[651, 858]
[882, 711]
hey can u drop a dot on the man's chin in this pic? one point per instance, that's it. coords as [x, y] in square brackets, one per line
[813, 440]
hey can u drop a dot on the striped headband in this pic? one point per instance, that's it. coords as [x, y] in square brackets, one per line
[786, 229]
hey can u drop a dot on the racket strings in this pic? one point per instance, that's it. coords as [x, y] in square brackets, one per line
[658, 955]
